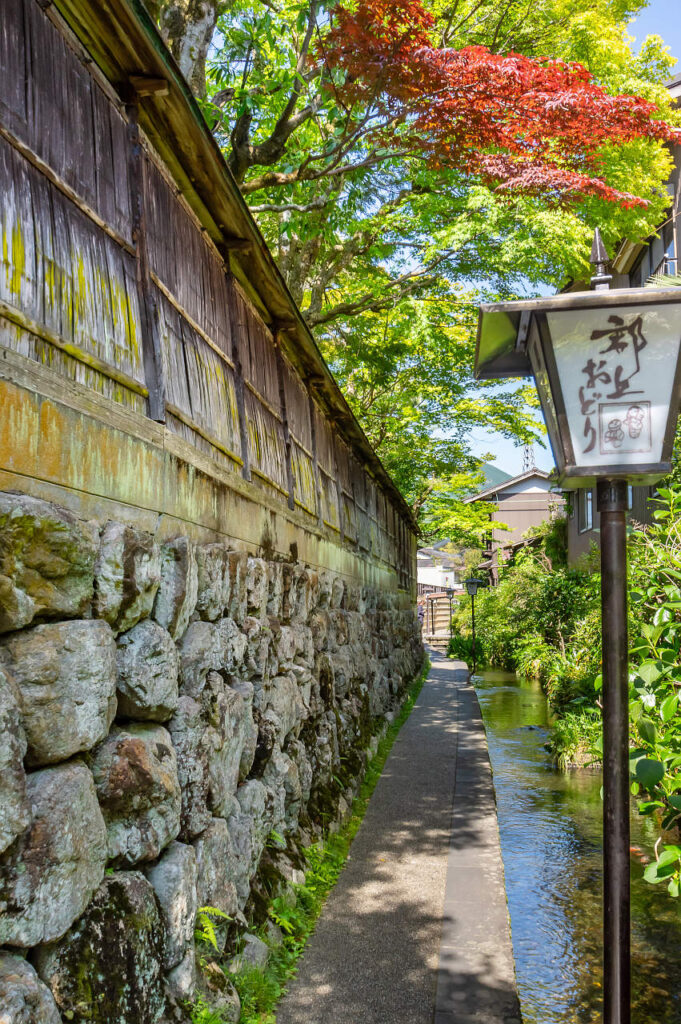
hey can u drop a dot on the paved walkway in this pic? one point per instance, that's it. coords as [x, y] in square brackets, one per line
[416, 930]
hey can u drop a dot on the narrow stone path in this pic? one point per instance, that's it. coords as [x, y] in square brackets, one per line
[416, 931]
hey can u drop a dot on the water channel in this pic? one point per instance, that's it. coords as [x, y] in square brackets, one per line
[550, 828]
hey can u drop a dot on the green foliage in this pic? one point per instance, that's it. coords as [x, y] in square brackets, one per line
[655, 677]
[201, 1013]
[385, 253]
[541, 619]
[666, 868]
[296, 912]
[575, 738]
[545, 622]
[461, 647]
[205, 933]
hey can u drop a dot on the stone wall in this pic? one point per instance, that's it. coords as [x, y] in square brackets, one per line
[175, 719]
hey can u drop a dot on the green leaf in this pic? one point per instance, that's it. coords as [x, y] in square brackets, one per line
[670, 855]
[647, 731]
[650, 874]
[649, 772]
[649, 672]
[668, 707]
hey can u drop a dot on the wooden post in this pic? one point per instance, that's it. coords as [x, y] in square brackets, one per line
[284, 418]
[238, 378]
[151, 341]
[315, 457]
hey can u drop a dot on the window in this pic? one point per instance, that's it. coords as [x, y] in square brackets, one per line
[630, 497]
[585, 514]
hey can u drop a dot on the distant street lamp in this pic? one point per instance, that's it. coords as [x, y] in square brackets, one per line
[472, 586]
[607, 369]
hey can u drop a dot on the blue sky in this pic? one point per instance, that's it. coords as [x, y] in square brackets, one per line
[660, 17]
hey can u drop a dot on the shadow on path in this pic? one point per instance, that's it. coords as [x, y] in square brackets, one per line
[416, 929]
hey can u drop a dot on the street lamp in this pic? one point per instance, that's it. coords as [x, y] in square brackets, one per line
[607, 369]
[472, 586]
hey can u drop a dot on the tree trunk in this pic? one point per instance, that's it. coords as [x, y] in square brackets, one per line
[187, 27]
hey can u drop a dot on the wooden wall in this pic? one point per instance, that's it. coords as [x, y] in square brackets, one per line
[108, 278]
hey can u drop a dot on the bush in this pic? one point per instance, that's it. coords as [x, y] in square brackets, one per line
[575, 739]
[541, 620]
[461, 647]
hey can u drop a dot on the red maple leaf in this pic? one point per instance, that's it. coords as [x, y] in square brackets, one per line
[524, 124]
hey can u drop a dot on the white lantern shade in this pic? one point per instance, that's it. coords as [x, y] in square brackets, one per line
[606, 365]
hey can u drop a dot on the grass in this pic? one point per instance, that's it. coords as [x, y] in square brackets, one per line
[296, 913]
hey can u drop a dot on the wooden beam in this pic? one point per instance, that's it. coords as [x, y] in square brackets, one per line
[144, 85]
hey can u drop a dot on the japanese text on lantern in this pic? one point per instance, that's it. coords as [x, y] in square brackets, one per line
[614, 418]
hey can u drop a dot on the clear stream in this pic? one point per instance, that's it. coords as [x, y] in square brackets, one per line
[550, 827]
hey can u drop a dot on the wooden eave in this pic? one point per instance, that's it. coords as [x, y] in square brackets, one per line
[122, 39]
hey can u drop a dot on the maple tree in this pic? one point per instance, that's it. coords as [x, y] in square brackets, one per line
[530, 124]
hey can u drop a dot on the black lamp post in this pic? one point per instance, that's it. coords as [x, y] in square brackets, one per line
[608, 372]
[472, 586]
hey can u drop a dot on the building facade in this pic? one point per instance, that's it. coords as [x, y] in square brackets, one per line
[517, 504]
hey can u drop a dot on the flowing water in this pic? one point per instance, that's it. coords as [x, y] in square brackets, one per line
[551, 840]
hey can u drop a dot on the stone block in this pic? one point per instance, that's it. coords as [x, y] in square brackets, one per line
[324, 588]
[24, 999]
[219, 993]
[127, 576]
[269, 730]
[187, 732]
[200, 653]
[215, 739]
[148, 664]
[14, 808]
[337, 592]
[296, 594]
[181, 979]
[47, 559]
[174, 879]
[257, 587]
[249, 828]
[282, 777]
[225, 739]
[50, 872]
[65, 673]
[238, 562]
[177, 593]
[285, 647]
[233, 644]
[282, 696]
[275, 588]
[214, 587]
[320, 629]
[248, 728]
[135, 772]
[253, 953]
[217, 868]
[107, 968]
[296, 751]
[258, 639]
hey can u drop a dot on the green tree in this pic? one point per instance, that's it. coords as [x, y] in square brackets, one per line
[386, 252]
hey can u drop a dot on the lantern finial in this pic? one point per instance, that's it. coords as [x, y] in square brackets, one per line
[599, 259]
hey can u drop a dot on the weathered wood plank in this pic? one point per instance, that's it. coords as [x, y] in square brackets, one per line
[266, 446]
[13, 62]
[85, 359]
[152, 352]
